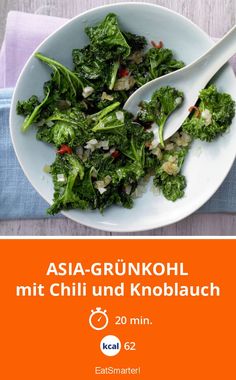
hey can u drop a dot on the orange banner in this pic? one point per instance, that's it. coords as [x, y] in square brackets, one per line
[146, 309]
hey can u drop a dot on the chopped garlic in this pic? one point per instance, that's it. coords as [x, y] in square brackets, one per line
[171, 166]
[102, 190]
[95, 144]
[106, 96]
[207, 116]
[107, 180]
[124, 83]
[136, 57]
[61, 178]
[181, 139]
[128, 189]
[178, 101]
[100, 186]
[87, 91]
[169, 147]
[120, 116]
[105, 145]
[91, 144]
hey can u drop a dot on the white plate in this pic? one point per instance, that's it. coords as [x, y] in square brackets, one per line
[206, 165]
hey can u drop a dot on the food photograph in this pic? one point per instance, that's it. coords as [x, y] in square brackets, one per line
[117, 118]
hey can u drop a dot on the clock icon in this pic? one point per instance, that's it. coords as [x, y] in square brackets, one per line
[98, 319]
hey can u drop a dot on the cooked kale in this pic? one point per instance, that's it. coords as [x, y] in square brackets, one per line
[168, 177]
[35, 115]
[27, 107]
[212, 116]
[155, 63]
[163, 102]
[107, 38]
[136, 43]
[104, 152]
[172, 187]
[88, 65]
[65, 127]
[64, 81]
[71, 170]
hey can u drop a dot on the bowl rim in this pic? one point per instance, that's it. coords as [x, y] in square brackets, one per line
[103, 227]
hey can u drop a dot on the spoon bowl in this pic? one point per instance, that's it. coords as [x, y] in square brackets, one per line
[190, 80]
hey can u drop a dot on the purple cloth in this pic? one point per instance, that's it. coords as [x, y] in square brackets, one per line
[24, 32]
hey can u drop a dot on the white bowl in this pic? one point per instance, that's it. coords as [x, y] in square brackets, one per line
[206, 165]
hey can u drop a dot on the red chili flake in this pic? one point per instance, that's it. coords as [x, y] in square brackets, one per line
[115, 154]
[157, 46]
[197, 110]
[123, 72]
[65, 149]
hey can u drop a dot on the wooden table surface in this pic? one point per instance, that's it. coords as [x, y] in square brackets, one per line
[215, 17]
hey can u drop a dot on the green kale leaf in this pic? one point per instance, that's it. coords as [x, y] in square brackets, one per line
[107, 37]
[163, 102]
[108, 119]
[172, 187]
[66, 82]
[135, 42]
[88, 64]
[71, 169]
[27, 107]
[214, 115]
[33, 114]
[168, 177]
[69, 127]
[156, 62]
